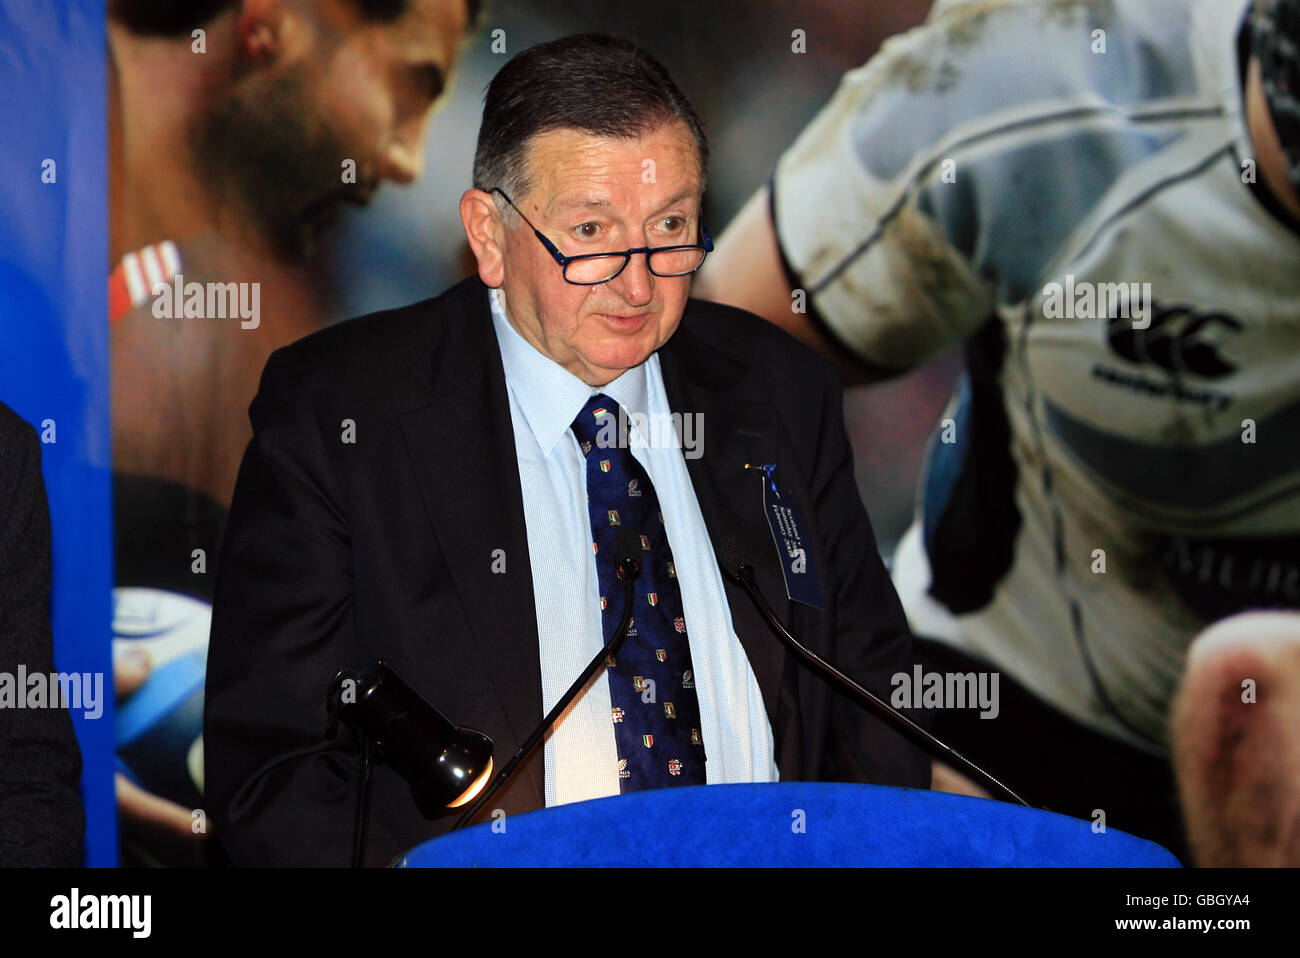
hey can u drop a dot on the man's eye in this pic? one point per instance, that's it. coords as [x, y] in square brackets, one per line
[430, 79]
[587, 230]
[673, 224]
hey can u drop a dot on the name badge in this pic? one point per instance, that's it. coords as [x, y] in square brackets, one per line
[789, 535]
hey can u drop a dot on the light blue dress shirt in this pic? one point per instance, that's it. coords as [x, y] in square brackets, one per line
[581, 758]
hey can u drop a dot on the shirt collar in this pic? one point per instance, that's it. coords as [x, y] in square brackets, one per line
[548, 394]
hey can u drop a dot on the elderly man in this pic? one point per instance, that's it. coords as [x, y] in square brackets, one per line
[435, 485]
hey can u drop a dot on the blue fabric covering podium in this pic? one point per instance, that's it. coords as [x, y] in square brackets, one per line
[760, 826]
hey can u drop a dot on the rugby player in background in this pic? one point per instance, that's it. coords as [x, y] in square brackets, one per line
[237, 129]
[1110, 478]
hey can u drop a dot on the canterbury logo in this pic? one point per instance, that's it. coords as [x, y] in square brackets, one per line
[1179, 340]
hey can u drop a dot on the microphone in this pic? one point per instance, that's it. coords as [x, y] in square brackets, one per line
[733, 556]
[444, 764]
[627, 565]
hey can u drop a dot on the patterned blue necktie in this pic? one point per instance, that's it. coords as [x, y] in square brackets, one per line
[656, 713]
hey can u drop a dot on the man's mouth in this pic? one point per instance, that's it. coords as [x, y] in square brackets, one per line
[625, 321]
[325, 207]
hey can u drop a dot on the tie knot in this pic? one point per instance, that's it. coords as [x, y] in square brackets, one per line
[598, 424]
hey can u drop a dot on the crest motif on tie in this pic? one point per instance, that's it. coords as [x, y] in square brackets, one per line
[645, 543]
[585, 446]
[672, 571]
[648, 741]
[670, 710]
[613, 517]
[652, 598]
[603, 602]
[604, 465]
[638, 683]
[622, 769]
[661, 655]
[618, 714]
[674, 766]
[695, 737]
[679, 624]
[597, 413]
[688, 679]
[633, 487]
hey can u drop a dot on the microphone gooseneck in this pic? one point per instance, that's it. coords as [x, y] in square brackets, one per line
[743, 576]
[627, 563]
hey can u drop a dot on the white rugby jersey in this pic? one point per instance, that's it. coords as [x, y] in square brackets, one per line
[994, 177]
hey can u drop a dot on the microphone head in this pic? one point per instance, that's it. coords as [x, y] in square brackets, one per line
[443, 763]
[627, 549]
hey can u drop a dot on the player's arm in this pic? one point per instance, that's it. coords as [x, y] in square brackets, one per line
[864, 244]
[746, 270]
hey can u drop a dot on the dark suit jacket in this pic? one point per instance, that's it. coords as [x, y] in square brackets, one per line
[338, 551]
[41, 818]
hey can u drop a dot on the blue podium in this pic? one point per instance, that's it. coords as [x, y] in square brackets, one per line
[788, 825]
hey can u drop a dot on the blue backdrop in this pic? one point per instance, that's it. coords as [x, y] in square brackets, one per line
[54, 332]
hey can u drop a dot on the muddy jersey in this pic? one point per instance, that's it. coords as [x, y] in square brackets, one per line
[1068, 188]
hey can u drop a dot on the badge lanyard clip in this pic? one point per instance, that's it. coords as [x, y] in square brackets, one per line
[766, 470]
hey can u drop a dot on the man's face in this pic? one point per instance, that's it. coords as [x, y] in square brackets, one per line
[593, 194]
[343, 106]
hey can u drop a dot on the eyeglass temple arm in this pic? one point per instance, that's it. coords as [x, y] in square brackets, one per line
[551, 247]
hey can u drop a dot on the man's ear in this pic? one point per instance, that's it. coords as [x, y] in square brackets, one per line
[486, 235]
[260, 27]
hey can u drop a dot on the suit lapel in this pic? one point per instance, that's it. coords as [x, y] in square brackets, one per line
[701, 380]
[462, 446]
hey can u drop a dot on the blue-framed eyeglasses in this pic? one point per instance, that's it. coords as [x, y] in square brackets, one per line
[592, 269]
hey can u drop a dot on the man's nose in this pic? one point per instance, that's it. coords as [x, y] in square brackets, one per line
[636, 284]
[401, 158]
